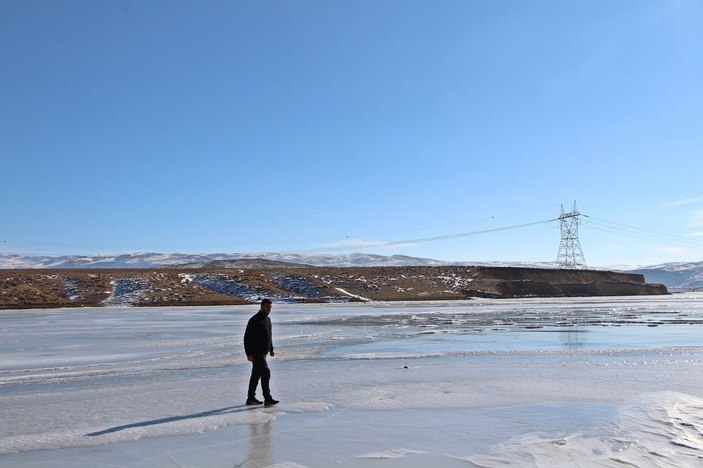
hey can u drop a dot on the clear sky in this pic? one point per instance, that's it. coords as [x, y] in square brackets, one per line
[352, 126]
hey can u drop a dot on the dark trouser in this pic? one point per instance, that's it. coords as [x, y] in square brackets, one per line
[260, 370]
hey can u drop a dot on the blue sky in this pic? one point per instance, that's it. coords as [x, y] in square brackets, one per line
[337, 127]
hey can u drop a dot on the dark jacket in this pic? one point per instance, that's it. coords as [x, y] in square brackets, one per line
[257, 337]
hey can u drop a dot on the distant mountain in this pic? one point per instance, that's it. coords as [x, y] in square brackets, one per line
[241, 263]
[675, 276]
[135, 260]
[352, 260]
[155, 260]
[232, 260]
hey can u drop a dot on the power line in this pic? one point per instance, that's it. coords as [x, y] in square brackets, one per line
[473, 233]
[618, 228]
[435, 238]
[591, 222]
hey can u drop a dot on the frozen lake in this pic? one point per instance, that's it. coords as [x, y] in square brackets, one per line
[532, 382]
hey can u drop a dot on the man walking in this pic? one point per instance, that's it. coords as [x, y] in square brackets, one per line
[258, 343]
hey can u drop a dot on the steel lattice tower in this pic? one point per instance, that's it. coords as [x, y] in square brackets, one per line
[570, 255]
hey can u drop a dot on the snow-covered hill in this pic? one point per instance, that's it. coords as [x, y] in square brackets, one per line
[155, 260]
[134, 260]
[675, 276]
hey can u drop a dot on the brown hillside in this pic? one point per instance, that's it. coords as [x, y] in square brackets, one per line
[220, 286]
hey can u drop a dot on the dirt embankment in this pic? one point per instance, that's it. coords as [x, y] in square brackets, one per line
[221, 286]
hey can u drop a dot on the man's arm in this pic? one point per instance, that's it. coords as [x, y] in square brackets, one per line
[270, 333]
[248, 341]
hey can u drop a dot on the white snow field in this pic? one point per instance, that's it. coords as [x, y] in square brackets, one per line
[530, 382]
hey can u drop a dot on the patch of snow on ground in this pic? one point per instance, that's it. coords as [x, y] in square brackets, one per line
[295, 284]
[186, 277]
[125, 292]
[71, 288]
[223, 284]
[347, 293]
[456, 282]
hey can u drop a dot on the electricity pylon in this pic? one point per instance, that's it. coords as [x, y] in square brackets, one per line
[570, 255]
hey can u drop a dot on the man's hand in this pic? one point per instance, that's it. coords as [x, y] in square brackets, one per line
[250, 357]
[271, 353]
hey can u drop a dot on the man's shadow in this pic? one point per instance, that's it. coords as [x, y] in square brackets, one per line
[153, 422]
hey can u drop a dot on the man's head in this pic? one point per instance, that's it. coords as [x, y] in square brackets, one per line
[266, 306]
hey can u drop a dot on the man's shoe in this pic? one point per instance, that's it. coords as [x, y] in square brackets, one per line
[270, 402]
[254, 401]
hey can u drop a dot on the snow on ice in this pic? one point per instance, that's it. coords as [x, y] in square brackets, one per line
[531, 382]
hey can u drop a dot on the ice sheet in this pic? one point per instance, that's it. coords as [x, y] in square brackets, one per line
[485, 382]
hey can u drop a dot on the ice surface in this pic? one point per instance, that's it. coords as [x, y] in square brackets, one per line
[538, 382]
